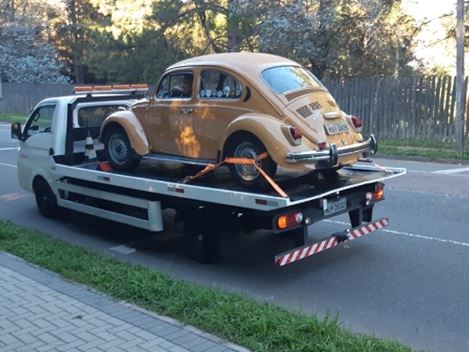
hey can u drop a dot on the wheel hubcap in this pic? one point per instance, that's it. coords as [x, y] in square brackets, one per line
[246, 171]
[117, 149]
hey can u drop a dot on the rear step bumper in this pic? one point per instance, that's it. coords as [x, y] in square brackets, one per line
[310, 249]
[331, 156]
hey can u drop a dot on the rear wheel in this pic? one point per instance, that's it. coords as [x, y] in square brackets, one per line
[201, 237]
[118, 149]
[248, 146]
[46, 200]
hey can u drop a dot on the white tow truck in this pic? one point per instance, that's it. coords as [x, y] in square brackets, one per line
[53, 164]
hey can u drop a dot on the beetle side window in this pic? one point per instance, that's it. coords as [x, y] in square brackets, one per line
[176, 85]
[219, 85]
[40, 120]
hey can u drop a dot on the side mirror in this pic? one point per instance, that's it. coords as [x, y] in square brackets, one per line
[16, 131]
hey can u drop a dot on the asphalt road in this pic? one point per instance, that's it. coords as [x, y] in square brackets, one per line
[408, 282]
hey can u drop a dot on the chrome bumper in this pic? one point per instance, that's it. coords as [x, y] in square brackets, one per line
[331, 156]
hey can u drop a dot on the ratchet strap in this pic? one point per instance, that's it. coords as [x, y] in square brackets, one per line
[241, 161]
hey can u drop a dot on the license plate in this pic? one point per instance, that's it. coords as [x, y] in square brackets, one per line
[334, 128]
[334, 206]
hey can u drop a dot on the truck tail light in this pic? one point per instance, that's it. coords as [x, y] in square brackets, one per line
[289, 220]
[379, 191]
[295, 134]
[357, 123]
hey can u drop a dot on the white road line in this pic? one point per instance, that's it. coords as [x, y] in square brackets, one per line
[9, 148]
[450, 171]
[8, 165]
[430, 238]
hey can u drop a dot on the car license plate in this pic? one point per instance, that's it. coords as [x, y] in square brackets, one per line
[334, 128]
[334, 206]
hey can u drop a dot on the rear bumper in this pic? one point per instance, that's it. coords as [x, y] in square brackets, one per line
[332, 155]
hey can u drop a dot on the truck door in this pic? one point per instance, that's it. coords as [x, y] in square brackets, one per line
[33, 155]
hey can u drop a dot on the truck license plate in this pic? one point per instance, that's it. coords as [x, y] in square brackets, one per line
[334, 206]
[335, 128]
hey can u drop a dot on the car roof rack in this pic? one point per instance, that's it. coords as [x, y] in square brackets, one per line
[111, 89]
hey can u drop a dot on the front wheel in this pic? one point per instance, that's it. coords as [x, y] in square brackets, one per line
[118, 149]
[46, 200]
[249, 147]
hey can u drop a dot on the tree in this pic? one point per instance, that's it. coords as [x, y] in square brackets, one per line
[25, 54]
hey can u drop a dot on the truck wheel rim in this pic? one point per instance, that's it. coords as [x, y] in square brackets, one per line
[247, 172]
[117, 148]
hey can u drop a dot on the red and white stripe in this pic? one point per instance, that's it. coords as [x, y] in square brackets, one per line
[314, 248]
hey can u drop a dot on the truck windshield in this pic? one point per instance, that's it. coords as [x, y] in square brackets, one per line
[283, 79]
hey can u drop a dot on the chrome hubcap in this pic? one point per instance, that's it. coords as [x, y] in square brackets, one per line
[245, 171]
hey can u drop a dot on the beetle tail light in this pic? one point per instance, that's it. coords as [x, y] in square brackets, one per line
[357, 123]
[295, 134]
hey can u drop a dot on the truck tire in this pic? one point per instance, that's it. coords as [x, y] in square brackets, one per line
[118, 149]
[46, 200]
[201, 239]
[248, 146]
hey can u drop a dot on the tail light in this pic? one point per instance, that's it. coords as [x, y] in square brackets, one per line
[295, 134]
[289, 220]
[379, 191]
[357, 123]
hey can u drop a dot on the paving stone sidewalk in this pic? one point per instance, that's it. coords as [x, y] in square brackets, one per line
[39, 311]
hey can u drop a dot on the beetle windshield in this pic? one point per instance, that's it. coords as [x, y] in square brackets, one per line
[283, 79]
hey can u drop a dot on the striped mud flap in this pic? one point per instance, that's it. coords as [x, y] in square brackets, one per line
[310, 249]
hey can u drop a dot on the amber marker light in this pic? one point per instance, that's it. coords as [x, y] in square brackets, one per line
[289, 220]
[379, 191]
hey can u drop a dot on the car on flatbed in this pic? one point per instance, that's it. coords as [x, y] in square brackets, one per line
[237, 105]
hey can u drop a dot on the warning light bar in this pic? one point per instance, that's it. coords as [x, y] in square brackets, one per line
[114, 88]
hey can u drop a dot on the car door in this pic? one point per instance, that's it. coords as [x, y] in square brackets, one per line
[34, 155]
[170, 116]
[219, 103]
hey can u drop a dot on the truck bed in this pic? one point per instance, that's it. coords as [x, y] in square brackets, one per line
[163, 179]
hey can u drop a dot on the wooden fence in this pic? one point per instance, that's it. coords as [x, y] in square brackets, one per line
[420, 108]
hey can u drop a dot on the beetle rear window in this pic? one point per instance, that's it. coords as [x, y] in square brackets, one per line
[283, 79]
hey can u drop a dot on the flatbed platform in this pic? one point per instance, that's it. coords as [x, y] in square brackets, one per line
[161, 179]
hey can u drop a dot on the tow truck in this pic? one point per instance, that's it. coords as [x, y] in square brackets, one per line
[53, 163]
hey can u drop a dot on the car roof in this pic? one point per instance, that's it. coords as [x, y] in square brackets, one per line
[70, 98]
[246, 63]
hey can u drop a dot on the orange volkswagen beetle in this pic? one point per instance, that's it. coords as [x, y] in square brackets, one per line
[241, 105]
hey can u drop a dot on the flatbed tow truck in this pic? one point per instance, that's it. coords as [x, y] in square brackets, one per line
[52, 163]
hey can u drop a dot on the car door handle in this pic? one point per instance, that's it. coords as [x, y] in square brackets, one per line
[186, 110]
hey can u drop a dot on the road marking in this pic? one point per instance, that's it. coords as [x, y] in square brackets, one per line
[450, 171]
[9, 148]
[465, 244]
[8, 165]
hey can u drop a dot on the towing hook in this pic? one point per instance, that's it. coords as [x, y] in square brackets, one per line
[341, 236]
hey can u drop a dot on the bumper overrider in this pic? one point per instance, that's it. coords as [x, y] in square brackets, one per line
[331, 156]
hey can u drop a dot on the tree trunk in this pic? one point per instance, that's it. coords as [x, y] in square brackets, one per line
[233, 32]
[460, 81]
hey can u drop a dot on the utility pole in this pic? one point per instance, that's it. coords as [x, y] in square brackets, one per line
[460, 78]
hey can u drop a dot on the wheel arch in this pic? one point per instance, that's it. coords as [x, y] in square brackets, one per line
[131, 126]
[265, 128]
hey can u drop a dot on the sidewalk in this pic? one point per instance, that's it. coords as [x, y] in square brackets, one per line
[39, 311]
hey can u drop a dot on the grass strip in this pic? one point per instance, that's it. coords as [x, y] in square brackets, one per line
[257, 326]
[421, 149]
[12, 118]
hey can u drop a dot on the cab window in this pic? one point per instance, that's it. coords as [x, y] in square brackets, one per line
[40, 120]
[219, 85]
[93, 116]
[176, 85]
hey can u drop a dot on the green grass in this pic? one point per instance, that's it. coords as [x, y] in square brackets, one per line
[12, 118]
[421, 149]
[258, 326]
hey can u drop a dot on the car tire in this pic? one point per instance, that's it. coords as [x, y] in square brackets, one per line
[118, 149]
[46, 200]
[248, 146]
